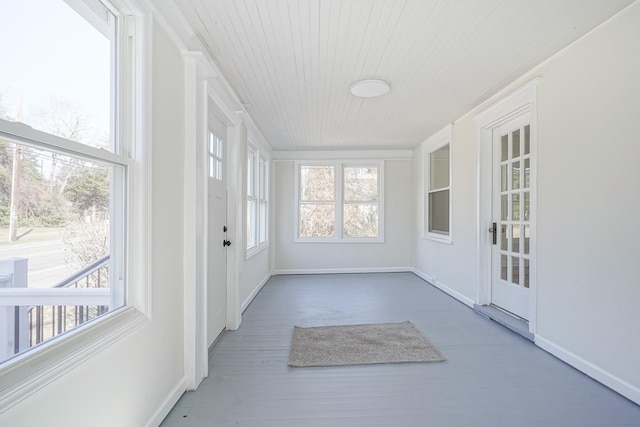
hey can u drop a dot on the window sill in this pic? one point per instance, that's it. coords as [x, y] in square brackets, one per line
[339, 241]
[25, 374]
[255, 251]
[440, 238]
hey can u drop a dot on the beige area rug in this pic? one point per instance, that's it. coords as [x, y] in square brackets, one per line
[360, 345]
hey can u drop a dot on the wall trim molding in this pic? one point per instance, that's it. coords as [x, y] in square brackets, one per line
[167, 404]
[253, 294]
[611, 381]
[444, 288]
[343, 270]
[344, 155]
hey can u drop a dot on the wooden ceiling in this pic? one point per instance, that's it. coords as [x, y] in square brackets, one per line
[292, 62]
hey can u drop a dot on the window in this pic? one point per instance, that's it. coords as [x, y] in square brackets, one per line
[71, 184]
[215, 156]
[437, 202]
[257, 199]
[339, 201]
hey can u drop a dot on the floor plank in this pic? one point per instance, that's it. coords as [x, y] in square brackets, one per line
[492, 376]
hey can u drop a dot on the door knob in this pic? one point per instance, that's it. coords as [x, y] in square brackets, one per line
[226, 243]
[494, 230]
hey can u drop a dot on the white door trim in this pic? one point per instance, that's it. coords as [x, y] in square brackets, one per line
[522, 101]
[201, 94]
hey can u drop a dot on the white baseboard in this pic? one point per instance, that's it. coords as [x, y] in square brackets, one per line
[168, 404]
[250, 298]
[444, 288]
[344, 270]
[619, 385]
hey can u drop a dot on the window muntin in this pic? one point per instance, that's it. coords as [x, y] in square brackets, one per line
[76, 168]
[437, 196]
[339, 201]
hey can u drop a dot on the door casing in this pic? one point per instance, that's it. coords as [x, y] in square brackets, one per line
[521, 101]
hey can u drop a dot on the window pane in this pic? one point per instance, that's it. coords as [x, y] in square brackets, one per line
[527, 142]
[439, 168]
[251, 223]
[317, 183]
[317, 220]
[361, 220]
[250, 172]
[64, 209]
[361, 184]
[263, 222]
[439, 212]
[60, 78]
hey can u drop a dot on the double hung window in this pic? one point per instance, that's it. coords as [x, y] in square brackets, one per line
[68, 204]
[339, 201]
[257, 199]
[437, 201]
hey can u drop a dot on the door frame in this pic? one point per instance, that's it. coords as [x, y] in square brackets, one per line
[521, 101]
[202, 90]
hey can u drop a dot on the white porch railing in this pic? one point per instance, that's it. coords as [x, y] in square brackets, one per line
[29, 316]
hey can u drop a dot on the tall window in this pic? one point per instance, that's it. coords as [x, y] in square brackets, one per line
[438, 186]
[257, 199]
[67, 200]
[339, 201]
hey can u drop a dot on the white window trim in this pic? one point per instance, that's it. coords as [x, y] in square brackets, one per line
[25, 374]
[258, 156]
[338, 236]
[433, 143]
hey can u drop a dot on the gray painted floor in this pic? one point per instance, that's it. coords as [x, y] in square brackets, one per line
[492, 376]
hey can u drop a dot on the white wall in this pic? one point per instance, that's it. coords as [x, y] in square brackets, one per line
[394, 253]
[588, 206]
[125, 384]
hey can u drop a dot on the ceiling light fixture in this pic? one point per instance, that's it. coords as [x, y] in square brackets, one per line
[369, 88]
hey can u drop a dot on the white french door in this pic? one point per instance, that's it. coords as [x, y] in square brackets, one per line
[217, 229]
[511, 216]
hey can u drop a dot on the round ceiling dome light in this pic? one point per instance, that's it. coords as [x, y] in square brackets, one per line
[369, 88]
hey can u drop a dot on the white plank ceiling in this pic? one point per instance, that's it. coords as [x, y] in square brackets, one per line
[291, 62]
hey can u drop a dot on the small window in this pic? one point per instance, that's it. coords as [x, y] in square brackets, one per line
[437, 161]
[339, 201]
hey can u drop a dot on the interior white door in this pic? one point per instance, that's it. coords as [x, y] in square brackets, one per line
[217, 236]
[511, 212]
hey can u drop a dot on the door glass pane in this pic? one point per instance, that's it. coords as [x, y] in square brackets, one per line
[527, 173]
[515, 270]
[515, 239]
[503, 177]
[504, 208]
[504, 148]
[526, 273]
[515, 207]
[515, 177]
[527, 144]
[503, 237]
[503, 267]
[527, 232]
[526, 207]
[515, 144]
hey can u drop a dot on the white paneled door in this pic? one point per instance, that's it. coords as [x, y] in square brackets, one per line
[511, 215]
[217, 234]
